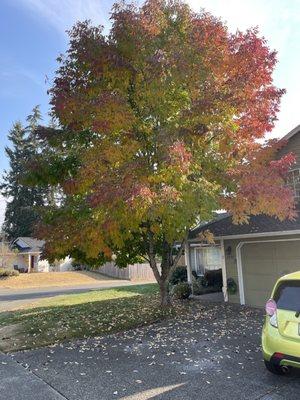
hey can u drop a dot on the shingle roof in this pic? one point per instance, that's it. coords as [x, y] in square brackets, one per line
[257, 224]
[223, 225]
[33, 244]
[292, 133]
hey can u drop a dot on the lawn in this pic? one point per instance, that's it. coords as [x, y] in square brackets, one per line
[82, 315]
[50, 279]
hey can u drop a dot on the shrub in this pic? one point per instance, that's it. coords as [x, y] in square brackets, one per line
[199, 289]
[231, 286]
[77, 266]
[179, 275]
[194, 273]
[4, 273]
[22, 270]
[181, 291]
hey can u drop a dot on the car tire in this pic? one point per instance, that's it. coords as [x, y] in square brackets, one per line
[275, 369]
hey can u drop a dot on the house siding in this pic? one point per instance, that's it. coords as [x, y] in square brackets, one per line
[8, 260]
[292, 146]
[20, 260]
[268, 261]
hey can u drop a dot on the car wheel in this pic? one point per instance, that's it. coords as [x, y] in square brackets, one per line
[276, 369]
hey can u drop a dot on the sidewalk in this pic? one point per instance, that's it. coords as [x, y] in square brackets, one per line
[18, 383]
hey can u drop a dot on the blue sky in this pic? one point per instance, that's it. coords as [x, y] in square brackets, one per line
[33, 34]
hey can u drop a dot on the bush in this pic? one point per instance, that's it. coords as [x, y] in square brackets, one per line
[181, 291]
[179, 275]
[78, 267]
[199, 289]
[194, 274]
[4, 273]
[22, 270]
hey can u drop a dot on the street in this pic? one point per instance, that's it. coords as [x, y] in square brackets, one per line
[12, 299]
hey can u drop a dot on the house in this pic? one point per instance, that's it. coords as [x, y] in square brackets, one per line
[23, 254]
[254, 255]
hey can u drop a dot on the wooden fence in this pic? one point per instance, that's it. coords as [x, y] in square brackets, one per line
[135, 272]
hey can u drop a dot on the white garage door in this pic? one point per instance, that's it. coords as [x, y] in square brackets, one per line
[263, 264]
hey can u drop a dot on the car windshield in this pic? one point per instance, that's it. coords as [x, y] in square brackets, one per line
[287, 296]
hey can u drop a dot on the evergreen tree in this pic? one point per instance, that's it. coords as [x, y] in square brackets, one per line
[23, 201]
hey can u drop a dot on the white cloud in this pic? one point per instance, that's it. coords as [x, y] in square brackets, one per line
[62, 14]
[278, 21]
[238, 14]
[9, 71]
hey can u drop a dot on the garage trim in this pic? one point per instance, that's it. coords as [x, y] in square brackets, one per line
[259, 234]
[240, 264]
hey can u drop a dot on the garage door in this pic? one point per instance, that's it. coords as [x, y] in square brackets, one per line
[263, 264]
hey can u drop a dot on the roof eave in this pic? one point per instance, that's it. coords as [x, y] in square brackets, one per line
[291, 133]
[257, 234]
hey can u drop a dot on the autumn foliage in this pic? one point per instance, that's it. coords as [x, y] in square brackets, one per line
[162, 122]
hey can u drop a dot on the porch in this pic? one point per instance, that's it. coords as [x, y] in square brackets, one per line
[25, 262]
[201, 257]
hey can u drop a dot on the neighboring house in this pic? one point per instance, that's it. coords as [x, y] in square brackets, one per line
[7, 256]
[23, 254]
[253, 254]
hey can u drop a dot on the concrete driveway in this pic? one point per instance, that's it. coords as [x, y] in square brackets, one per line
[212, 353]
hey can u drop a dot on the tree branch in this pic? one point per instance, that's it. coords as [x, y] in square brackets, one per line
[177, 258]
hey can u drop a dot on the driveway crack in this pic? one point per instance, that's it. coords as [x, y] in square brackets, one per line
[41, 379]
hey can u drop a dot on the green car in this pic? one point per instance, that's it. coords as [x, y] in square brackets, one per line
[281, 331]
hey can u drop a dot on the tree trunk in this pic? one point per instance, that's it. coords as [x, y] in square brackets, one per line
[161, 277]
[168, 264]
[165, 298]
[163, 282]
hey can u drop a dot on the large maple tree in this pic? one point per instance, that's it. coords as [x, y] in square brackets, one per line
[162, 122]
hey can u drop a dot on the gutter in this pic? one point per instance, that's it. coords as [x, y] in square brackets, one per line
[259, 234]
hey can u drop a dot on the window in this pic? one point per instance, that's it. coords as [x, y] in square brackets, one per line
[287, 296]
[294, 182]
[212, 257]
[205, 258]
